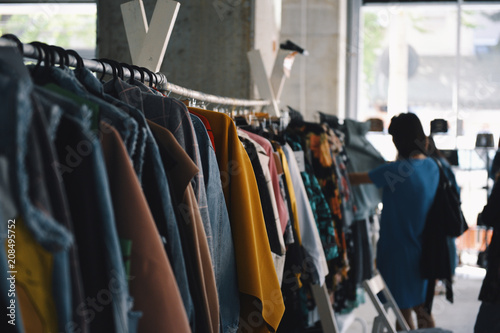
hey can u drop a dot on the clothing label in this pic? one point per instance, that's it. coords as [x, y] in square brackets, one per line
[299, 156]
[277, 160]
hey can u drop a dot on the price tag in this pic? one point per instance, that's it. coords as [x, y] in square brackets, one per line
[301, 161]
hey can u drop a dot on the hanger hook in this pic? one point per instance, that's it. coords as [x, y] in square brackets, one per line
[141, 72]
[39, 58]
[14, 38]
[103, 69]
[156, 80]
[61, 53]
[113, 67]
[130, 69]
[46, 54]
[78, 58]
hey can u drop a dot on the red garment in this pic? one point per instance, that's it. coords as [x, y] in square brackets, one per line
[207, 126]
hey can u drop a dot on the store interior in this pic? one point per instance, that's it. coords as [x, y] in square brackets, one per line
[364, 61]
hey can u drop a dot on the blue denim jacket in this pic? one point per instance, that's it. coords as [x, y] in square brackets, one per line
[223, 258]
[95, 87]
[106, 237]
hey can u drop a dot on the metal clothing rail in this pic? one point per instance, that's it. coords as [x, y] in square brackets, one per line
[32, 52]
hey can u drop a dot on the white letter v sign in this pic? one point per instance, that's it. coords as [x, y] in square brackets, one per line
[148, 44]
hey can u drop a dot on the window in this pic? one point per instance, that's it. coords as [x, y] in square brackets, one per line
[69, 25]
[439, 61]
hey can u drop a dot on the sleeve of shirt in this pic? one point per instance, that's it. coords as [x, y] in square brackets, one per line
[382, 174]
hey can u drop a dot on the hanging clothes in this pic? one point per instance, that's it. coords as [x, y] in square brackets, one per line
[282, 209]
[155, 186]
[363, 157]
[257, 279]
[260, 161]
[152, 283]
[181, 170]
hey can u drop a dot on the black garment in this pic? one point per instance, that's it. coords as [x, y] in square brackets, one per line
[490, 216]
[265, 197]
[84, 203]
[495, 165]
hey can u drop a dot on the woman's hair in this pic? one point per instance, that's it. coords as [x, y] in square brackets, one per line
[408, 135]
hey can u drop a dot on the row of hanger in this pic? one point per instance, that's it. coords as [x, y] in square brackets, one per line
[52, 55]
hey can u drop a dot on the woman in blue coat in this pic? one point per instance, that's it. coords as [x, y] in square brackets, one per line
[409, 185]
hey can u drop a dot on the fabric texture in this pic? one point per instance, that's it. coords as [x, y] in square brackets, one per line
[311, 241]
[172, 115]
[82, 169]
[259, 163]
[282, 210]
[223, 255]
[260, 292]
[156, 187]
[319, 205]
[181, 169]
[153, 285]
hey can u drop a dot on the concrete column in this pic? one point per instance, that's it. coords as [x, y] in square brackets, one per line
[208, 46]
[317, 82]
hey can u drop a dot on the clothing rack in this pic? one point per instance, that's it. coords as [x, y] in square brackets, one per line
[30, 51]
[320, 293]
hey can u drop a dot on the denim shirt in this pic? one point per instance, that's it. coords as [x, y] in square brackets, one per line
[95, 87]
[223, 258]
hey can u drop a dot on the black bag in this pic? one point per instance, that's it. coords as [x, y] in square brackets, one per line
[446, 211]
[444, 219]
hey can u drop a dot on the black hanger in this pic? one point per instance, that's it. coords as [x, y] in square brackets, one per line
[40, 56]
[79, 60]
[156, 79]
[46, 54]
[140, 70]
[119, 68]
[113, 67]
[62, 55]
[150, 74]
[131, 71]
[121, 74]
[103, 69]
[14, 38]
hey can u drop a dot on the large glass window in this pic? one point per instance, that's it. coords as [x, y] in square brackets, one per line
[439, 61]
[67, 25]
